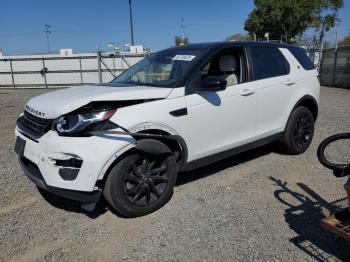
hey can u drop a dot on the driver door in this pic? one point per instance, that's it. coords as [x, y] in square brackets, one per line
[220, 120]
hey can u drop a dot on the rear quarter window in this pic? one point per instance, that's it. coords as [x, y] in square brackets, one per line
[268, 62]
[302, 58]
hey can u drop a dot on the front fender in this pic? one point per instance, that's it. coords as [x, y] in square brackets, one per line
[139, 137]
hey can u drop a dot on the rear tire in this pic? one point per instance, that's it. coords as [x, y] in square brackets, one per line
[299, 131]
[143, 181]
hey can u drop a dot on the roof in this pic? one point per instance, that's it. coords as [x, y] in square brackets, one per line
[215, 45]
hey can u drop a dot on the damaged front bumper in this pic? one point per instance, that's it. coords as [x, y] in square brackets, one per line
[69, 166]
[34, 174]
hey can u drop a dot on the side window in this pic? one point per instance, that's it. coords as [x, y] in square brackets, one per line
[302, 58]
[268, 62]
[228, 65]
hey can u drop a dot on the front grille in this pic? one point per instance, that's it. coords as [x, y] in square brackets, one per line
[35, 125]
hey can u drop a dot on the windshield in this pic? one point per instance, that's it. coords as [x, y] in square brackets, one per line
[163, 69]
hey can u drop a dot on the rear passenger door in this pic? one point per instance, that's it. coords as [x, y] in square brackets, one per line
[273, 83]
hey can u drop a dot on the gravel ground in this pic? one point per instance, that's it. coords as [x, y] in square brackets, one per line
[259, 205]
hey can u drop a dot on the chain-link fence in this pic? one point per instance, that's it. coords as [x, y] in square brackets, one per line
[314, 55]
[46, 72]
[335, 67]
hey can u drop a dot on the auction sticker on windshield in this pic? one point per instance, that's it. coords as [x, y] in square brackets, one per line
[184, 57]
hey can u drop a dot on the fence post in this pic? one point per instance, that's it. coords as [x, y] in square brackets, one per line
[12, 75]
[121, 63]
[44, 73]
[115, 71]
[81, 71]
[320, 57]
[335, 64]
[99, 66]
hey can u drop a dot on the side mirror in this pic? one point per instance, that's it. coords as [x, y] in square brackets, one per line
[212, 83]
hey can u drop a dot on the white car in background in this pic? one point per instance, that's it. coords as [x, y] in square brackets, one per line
[176, 110]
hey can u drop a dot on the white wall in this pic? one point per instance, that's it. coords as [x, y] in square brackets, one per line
[27, 69]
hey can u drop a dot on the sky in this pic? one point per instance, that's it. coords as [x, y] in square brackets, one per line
[86, 25]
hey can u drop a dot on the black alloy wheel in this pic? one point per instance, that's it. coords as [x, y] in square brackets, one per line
[303, 130]
[146, 180]
[299, 131]
[143, 180]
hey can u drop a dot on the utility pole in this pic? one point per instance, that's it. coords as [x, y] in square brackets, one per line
[182, 29]
[131, 25]
[47, 32]
[336, 40]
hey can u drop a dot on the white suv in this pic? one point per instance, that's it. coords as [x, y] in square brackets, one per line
[176, 110]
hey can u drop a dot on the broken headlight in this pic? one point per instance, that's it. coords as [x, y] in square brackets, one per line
[75, 123]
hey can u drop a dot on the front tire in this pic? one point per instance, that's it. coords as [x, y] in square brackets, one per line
[143, 181]
[299, 131]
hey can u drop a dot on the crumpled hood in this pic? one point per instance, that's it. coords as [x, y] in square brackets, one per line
[57, 103]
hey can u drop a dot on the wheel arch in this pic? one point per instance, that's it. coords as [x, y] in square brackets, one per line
[176, 144]
[309, 102]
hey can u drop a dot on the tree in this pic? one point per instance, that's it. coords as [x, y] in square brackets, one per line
[290, 18]
[307, 41]
[238, 37]
[326, 16]
[280, 18]
[311, 42]
[179, 40]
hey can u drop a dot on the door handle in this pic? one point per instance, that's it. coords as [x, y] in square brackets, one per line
[247, 92]
[179, 112]
[290, 82]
